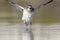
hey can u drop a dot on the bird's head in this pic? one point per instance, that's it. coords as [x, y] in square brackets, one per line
[30, 8]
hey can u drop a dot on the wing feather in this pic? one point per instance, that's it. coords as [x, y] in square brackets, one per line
[42, 4]
[19, 7]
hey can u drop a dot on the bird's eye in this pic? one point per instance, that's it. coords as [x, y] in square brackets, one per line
[30, 8]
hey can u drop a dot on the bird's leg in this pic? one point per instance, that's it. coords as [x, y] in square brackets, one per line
[26, 23]
[28, 32]
[28, 26]
[25, 26]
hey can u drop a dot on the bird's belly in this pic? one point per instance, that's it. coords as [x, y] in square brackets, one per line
[26, 18]
[27, 15]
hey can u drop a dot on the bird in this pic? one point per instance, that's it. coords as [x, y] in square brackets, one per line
[28, 13]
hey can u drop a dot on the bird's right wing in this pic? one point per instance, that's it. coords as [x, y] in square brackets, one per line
[43, 4]
[19, 7]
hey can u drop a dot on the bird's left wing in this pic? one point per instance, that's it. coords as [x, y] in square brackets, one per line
[19, 7]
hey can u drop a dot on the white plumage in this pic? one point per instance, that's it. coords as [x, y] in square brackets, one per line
[27, 16]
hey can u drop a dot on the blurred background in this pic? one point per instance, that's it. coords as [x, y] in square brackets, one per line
[49, 14]
[45, 15]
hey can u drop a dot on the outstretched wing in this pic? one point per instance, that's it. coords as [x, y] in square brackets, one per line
[42, 4]
[19, 7]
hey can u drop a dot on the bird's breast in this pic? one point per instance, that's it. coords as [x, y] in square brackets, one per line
[27, 13]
